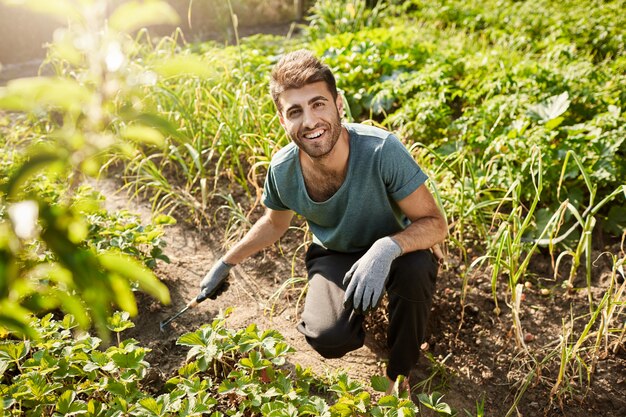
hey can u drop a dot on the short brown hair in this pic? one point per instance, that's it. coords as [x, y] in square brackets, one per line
[297, 69]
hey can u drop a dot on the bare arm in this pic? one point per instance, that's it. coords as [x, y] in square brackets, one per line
[266, 231]
[428, 226]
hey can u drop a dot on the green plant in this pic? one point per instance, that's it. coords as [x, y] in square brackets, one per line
[68, 374]
[328, 17]
[123, 231]
[70, 116]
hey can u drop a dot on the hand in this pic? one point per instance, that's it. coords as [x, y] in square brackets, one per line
[368, 275]
[214, 282]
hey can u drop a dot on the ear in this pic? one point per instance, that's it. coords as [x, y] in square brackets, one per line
[339, 104]
[281, 119]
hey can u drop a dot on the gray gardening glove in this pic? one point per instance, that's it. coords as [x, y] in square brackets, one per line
[214, 282]
[368, 275]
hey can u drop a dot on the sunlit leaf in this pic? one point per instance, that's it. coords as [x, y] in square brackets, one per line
[129, 360]
[184, 65]
[68, 406]
[39, 387]
[191, 339]
[164, 219]
[15, 317]
[554, 123]
[136, 15]
[14, 352]
[550, 109]
[120, 321]
[123, 294]
[151, 405]
[133, 270]
[35, 164]
[35, 93]
[61, 10]
[143, 134]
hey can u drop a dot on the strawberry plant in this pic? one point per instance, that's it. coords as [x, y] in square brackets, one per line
[228, 372]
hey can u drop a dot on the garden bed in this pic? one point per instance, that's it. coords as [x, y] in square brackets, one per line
[471, 360]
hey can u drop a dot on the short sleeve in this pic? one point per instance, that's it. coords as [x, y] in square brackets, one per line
[401, 174]
[271, 197]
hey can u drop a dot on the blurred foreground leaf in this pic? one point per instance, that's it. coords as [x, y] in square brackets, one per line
[135, 15]
[44, 93]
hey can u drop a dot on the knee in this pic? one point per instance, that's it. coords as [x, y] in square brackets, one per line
[413, 276]
[333, 341]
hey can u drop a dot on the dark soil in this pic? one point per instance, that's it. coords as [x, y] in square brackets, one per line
[471, 355]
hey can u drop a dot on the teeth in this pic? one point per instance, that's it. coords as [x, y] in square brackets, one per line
[314, 135]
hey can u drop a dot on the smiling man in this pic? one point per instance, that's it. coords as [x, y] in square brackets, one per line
[372, 218]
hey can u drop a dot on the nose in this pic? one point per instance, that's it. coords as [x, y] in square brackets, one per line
[309, 121]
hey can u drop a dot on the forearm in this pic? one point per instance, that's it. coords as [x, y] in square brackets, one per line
[264, 233]
[423, 233]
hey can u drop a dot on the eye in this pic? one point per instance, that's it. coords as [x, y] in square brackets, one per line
[293, 113]
[318, 104]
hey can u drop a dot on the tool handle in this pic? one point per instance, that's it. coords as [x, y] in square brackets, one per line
[212, 293]
[201, 297]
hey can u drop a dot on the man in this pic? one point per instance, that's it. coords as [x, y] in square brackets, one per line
[372, 218]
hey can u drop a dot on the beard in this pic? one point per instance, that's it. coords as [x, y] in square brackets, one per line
[319, 148]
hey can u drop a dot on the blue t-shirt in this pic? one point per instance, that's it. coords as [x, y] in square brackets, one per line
[380, 172]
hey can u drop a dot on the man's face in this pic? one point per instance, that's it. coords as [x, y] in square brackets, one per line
[311, 118]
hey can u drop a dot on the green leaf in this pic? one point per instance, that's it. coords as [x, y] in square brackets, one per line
[133, 270]
[68, 406]
[14, 352]
[164, 219]
[188, 370]
[120, 321]
[38, 387]
[69, 322]
[151, 405]
[554, 123]
[35, 93]
[191, 339]
[135, 15]
[434, 402]
[61, 10]
[123, 294]
[380, 383]
[254, 361]
[550, 109]
[143, 134]
[129, 360]
[31, 167]
[189, 65]
[15, 317]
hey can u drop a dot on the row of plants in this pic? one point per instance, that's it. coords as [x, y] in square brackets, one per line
[228, 372]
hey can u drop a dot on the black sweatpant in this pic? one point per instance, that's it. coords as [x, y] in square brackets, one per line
[334, 331]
